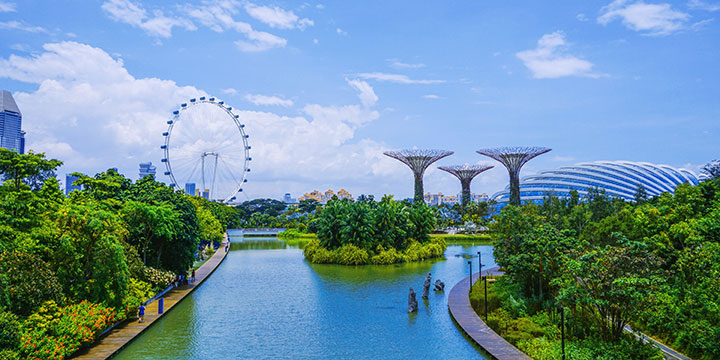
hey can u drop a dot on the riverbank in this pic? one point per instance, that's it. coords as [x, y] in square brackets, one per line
[463, 239]
[122, 335]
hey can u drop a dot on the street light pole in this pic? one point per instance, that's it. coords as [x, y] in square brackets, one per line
[480, 262]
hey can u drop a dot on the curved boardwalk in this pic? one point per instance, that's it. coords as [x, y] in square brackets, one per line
[119, 337]
[473, 326]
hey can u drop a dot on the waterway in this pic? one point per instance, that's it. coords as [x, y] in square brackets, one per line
[266, 302]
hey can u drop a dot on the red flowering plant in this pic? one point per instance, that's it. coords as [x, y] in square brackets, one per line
[56, 333]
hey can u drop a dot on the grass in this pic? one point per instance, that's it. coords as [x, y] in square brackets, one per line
[463, 239]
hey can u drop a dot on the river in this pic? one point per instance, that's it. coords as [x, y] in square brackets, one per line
[266, 302]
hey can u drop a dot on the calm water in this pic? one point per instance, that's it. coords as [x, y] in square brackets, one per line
[265, 301]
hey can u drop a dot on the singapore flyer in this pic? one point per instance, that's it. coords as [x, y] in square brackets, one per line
[206, 151]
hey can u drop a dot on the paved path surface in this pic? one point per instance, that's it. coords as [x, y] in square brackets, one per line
[119, 337]
[473, 326]
[668, 352]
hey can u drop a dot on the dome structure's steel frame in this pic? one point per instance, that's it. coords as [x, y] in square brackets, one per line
[418, 161]
[465, 173]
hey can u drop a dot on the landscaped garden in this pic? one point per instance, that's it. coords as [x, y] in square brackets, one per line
[70, 267]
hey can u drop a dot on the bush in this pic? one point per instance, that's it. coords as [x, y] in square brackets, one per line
[387, 257]
[9, 331]
[57, 333]
[27, 282]
[158, 279]
[351, 255]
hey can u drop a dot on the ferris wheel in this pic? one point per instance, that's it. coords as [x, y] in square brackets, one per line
[206, 151]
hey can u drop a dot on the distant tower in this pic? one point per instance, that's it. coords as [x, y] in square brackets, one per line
[190, 189]
[418, 161]
[514, 157]
[465, 173]
[69, 186]
[147, 169]
[11, 136]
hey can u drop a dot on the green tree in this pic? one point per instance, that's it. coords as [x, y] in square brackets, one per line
[26, 281]
[151, 228]
[29, 169]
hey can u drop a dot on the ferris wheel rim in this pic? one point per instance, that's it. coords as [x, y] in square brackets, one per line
[236, 120]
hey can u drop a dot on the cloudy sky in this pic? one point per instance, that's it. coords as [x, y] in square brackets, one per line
[325, 87]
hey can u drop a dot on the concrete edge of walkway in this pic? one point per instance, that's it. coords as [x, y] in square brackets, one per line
[219, 256]
[470, 323]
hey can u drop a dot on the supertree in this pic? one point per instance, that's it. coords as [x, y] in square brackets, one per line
[514, 157]
[465, 173]
[418, 161]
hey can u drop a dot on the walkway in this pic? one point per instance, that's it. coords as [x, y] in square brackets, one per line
[119, 337]
[473, 326]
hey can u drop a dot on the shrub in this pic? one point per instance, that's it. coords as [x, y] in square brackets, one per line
[9, 331]
[27, 282]
[387, 257]
[158, 279]
[351, 255]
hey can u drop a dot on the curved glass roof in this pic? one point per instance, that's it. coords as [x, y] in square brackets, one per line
[618, 178]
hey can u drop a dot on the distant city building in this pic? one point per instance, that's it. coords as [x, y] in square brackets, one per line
[11, 135]
[439, 198]
[147, 169]
[288, 199]
[190, 189]
[206, 194]
[620, 179]
[324, 197]
[69, 187]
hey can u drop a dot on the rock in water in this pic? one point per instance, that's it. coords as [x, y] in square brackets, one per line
[426, 287]
[412, 301]
[439, 285]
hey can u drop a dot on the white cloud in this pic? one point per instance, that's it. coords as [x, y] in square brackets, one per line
[90, 112]
[366, 93]
[582, 17]
[340, 31]
[7, 6]
[701, 5]
[157, 24]
[276, 17]
[401, 65]
[431, 96]
[547, 60]
[268, 100]
[396, 78]
[650, 19]
[216, 15]
[315, 41]
[229, 91]
[16, 25]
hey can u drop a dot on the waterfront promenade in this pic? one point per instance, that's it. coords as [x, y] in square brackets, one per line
[119, 337]
[474, 327]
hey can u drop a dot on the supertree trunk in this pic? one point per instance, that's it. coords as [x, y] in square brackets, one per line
[465, 192]
[514, 188]
[419, 192]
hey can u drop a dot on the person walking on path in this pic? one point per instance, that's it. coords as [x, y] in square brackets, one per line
[141, 313]
[193, 276]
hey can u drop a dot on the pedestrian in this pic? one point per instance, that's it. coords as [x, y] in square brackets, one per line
[193, 275]
[226, 247]
[141, 313]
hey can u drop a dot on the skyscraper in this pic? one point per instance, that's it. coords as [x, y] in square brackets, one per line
[147, 169]
[190, 189]
[11, 136]
[69, 187]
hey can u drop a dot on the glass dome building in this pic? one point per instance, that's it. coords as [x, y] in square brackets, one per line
[618, 178]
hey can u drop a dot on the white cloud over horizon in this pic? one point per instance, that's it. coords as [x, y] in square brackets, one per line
[548, 60]
[396, 78]
[90, 112]
[275, 17]
[650, 19]
[7, 6]
[21, 26]
[266, 100]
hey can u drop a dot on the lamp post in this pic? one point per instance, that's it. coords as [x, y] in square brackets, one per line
[480, 262]
[471, 282]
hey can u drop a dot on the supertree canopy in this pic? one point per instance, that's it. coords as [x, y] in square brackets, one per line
[465, 173]
[418, 161]
[514, 157]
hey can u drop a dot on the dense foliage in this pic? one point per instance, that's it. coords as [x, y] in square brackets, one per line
[369, 232]
[72, 266]
[653, 264]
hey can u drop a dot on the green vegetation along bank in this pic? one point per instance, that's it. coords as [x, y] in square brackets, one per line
[653, 264]
[70, 267]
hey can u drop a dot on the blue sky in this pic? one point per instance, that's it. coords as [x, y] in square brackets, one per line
[325, 87]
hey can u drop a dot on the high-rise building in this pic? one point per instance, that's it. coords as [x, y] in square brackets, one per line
[288, 199]
[69, 187]
[11, 135]
[147, 169]
[190, 189]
